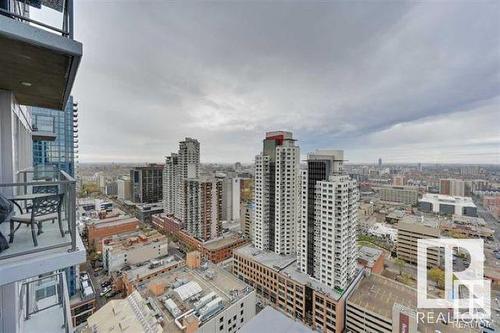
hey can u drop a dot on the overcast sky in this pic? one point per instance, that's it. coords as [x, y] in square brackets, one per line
[404, 82]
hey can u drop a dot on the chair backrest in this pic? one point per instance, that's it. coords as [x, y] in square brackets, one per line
[47, 205]
[45, 189]
[6, 208]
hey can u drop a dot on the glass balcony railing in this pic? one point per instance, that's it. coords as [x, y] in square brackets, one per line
[45, 303]
[55, 16]
[43, 128]
[43, 123]
[43, 212]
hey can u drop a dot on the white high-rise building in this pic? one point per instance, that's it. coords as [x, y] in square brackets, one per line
[231, 197]
[277, 193]
[178, 168]
[326, 236]
[171, 180]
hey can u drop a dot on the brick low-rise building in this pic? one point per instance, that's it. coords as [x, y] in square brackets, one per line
[97, 230]
[215, 250]
[277, 280]
[371, 259]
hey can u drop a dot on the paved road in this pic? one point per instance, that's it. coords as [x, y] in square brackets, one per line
[490, 220]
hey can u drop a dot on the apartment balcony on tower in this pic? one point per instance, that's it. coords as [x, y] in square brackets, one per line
[39, 242]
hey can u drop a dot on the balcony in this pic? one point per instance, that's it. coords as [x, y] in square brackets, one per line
[56, 244]
[39, 60]
[46, 306]
[43, 128]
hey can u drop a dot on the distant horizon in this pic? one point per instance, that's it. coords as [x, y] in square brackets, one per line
[346, 163]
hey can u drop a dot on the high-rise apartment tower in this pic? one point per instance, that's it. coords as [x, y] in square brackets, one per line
[326, 244]
[277, 193]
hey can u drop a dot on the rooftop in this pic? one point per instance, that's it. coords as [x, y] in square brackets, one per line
[191, 285]
[379, 295]
[426, 221]
[86, 291]
[369, 254]
[113, 221]
[130, 240]
[396, 214]
[448, 199]
[145, 269]
[287, 265]
[225, 240]
[131, 314]
[149, 206]
[271, 320]
[463, 219]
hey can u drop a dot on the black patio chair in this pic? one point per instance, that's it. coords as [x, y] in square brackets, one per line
[44, 209]
[6, 211]
[42, 189]
[45, 189]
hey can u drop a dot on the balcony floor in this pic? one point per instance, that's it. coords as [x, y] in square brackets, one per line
[49, 320]
[23, 241]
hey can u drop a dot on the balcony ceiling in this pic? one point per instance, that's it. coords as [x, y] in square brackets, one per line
[38, 66]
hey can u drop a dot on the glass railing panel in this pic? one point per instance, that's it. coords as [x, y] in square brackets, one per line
[41, 213]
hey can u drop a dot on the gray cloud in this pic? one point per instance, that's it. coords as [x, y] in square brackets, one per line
[404, 81]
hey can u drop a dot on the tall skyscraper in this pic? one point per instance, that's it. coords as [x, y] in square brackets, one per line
[203, 208]
[195, 201]
[147, 183]
[380, 162]
[56, 148]
[59, 152]
[171, 180]
[277, 193]
[326, 236]
[178, 168]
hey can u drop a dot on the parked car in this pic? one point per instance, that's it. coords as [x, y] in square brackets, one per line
[106, 284]
[105, 291]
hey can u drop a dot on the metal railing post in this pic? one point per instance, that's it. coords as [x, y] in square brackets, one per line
[27, 316]
[73, 215]
[70, 18]
[25, 181]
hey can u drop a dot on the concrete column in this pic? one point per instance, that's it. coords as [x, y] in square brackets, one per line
[10, 312]
[6, 140]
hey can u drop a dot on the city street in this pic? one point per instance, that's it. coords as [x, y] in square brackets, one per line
[490, 220]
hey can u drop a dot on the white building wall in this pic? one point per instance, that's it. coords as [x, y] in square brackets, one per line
[188, 168]
[287, 198]
[261, 196]
[123, 189]
[15, 138]
[236, 194]
[115, 260]
[11, 313]
[171, 185]
[337, 204]
[234, 317]
[302, 224]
